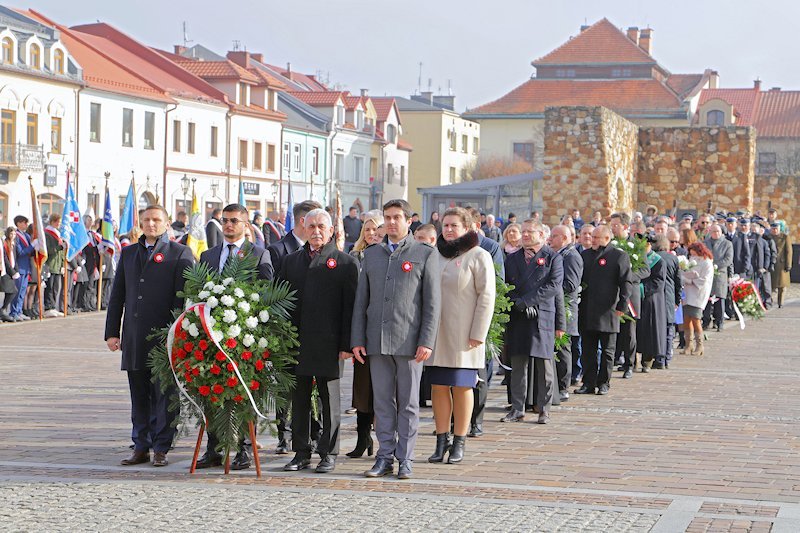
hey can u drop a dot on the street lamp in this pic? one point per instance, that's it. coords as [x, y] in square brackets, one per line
[214, 188]
[185, 188]
[274, 188]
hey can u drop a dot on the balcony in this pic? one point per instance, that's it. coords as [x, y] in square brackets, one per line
[29, 157]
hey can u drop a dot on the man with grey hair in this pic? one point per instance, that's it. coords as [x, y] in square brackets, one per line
[490, 230]
[722, 250]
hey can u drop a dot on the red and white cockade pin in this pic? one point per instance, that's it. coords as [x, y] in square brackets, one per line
[241, 253]
[331, 263]
[407, 266]
[158, 258]
[541, 261]
[602, 262]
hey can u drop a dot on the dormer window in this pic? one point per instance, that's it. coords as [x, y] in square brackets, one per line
[8, 51]
[35, 60]
[391, 133]
[58, 62]
[715, 118]
[243, 94]
[359, 119]
[340, 115]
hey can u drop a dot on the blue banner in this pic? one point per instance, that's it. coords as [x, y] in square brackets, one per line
[289, 224]
[72, 228]
[129, 218]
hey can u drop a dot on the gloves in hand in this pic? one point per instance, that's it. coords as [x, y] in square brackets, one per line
[531, 313]
[15, 276]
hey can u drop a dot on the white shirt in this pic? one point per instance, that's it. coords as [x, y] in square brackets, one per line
[224, 255]
[301, 243]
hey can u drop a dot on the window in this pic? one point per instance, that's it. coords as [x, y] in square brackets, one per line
[58, 62]
[286, 155]
[338, 166]
[33, 128]
[243, 94]
[616, 73]
[315, 160]
[297, 152]
[127, 127]
[358, 169]
[390, 173]
[475, 145]
[452, 135]
[452, 174]
[465, 143]
[767, 163]
[190, 134]
[214, 137]
[402, 175]
[391, 133]
[359, 119]
[55, 135]
[50, 203]
[715, 118]
[524, 151]
[339, 115]
[36, 57]
[8, 51]
[94, 123]
[242, 153]
[270, 158]
[8, 130]
[176, 135]
[626, 73]
[257, 154]
[149, 130]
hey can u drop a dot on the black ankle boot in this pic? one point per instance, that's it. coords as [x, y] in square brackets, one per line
[442, 447]
[364, 443]
[457, 451]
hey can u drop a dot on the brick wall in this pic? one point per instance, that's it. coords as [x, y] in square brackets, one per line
[783, 192]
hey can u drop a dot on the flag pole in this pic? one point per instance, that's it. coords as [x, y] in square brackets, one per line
[67, 278]
[101, 253]
[38, 265]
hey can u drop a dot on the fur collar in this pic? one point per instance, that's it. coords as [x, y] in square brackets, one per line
[463, 244]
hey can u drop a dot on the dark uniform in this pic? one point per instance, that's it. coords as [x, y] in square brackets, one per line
[673, 285]
[573, 272]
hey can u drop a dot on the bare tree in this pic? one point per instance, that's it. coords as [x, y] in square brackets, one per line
[491, 166]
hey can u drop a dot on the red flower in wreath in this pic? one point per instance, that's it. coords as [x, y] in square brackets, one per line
[188, 347]
[215, 370]
[188, 377]
[602, 262]
[217, 388]
[199, 355]
[247, 355]
[229, 366]
[186, 365]
[204, 390]
[214, 399]
[180, 353]
[238, 398]
[220, 356]
[259, 365]
[331, 263]
[541, 261]
[254, 385]
[232, 381]
[266, 354]
[407, 266]
[195, 371]
[203, 345]
[231, 343]
[158, 258]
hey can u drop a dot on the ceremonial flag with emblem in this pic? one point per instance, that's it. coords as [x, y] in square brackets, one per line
[339, 222]
[107, 225]
[130, 214]
[289, 224]
[196, 238]
[38, 232]
[72, 228]
[241, 192]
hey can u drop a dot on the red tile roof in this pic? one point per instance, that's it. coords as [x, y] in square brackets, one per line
[319, 98]
[625, 96]
[600, 43]
[774, 113]
[744, 102]
[383, 106]
[217, 70]
[684, 84]
[309, 81]
[351, 102]
[403, 145]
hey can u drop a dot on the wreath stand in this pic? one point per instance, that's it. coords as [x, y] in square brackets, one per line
[252, 429]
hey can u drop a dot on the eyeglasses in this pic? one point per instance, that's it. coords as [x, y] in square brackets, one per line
[674, 242]
[234, 221]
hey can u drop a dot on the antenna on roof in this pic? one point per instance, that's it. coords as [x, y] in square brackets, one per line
[186, 39]
[419, 80]
[236, 45]
[449, 87]
[430, 83]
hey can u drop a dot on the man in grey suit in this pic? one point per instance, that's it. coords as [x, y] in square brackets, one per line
[395, 321]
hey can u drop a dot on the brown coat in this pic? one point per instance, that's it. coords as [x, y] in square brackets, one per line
[783, 263]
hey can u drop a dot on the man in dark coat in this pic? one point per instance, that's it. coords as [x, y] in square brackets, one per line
[673, 285]
[145, 290]
[325, 280]
[742, 263]
[234, 243]
[561, 241]
[537, 273]
[757, 255]
[289, 243]
[352, 227]
[214, 229]
[722, 250]
[651, 328]
[604, 299]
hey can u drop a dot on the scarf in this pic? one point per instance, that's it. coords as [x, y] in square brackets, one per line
[456, 247]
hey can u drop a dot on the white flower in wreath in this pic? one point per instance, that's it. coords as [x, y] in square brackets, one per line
[262, 343]
[211, 321]
[218, 289]
[248, 340]
[229, 316]
[204, 294]
[227, 281]
[630, 245]
[614, 242]
[227, 300]
[188, 304]
[193, 330]
[239, 293]
[263, 316]
[635, 257]
[255, 297]
[244, 306]
[185, 323]
[209, 285]
[212, 302]
[234, 331]
[216, 335]
[251, 322]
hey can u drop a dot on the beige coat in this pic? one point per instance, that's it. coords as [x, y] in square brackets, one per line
[468, 291]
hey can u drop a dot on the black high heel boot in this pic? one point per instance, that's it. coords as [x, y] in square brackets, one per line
[442, 447]
[364, 443]
[457, 451]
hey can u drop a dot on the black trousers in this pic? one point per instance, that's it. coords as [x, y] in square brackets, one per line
[330, 398]
[714, 310]
[480, 392]
[543, 381]
[564, 367]
[151, 419]
[626, 344]
[595, 375]
[52, 293]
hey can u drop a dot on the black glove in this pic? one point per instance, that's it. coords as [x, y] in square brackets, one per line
[519, 306]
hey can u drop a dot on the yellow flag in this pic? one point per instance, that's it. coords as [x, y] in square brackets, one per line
[196, 239]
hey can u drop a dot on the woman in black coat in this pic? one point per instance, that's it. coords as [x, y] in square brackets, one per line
[651, 328]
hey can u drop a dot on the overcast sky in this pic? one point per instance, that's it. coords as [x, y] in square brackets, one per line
[484, 47]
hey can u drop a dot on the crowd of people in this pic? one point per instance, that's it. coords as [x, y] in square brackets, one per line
[412, 304]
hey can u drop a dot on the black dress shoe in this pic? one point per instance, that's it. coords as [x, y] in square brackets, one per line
[136, 458]
[382, 467]
[326, 464]
[513, 416]
[658, 365]
[475, 431]
[584, 390]
[603, 390]
[208, 460]
[282, 448]
[241, 461]
[298, 463]
[404, 471]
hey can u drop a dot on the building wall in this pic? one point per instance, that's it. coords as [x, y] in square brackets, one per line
[354, 149]
[499, 135]
[783, 192]
[254, 130]
[301, 178]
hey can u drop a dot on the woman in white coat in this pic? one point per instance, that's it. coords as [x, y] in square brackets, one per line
[468, 293]
[697, 283]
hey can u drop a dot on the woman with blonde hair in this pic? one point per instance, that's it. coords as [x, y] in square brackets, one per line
[371, 233]
[512, 236]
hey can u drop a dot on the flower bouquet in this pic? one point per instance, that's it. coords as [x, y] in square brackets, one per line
[636, 248]
[685, 264]
[231, 350]
[746, 300]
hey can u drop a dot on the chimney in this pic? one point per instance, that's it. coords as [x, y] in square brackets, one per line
[713, 79]
[775, 90]
[427, 96]
[646, 40]
[240, 58]
[633, 34]
[757, 84]
[364, 93]
[445, 101]
[179, 50]
[584, 27]
[257, 57]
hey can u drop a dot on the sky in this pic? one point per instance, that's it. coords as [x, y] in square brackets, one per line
[480, 48]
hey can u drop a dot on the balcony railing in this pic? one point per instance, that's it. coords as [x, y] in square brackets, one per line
[20, 156]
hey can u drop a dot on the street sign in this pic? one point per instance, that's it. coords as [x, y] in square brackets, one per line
[50, 175]
[251, 188]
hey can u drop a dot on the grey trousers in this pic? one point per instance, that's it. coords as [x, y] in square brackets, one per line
[395, 390]
[544, 385]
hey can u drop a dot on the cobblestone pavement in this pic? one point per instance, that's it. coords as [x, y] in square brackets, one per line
[713, 444]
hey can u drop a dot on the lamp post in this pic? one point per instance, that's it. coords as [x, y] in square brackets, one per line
[185, 182]
[214, 188]
[275, 196]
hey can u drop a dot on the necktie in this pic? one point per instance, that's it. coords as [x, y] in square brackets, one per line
[392, 247]
[231, 248]
[150, 251]
[313, 253]
[529, 253]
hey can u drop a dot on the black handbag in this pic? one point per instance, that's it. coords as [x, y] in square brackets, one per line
[7, 284]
